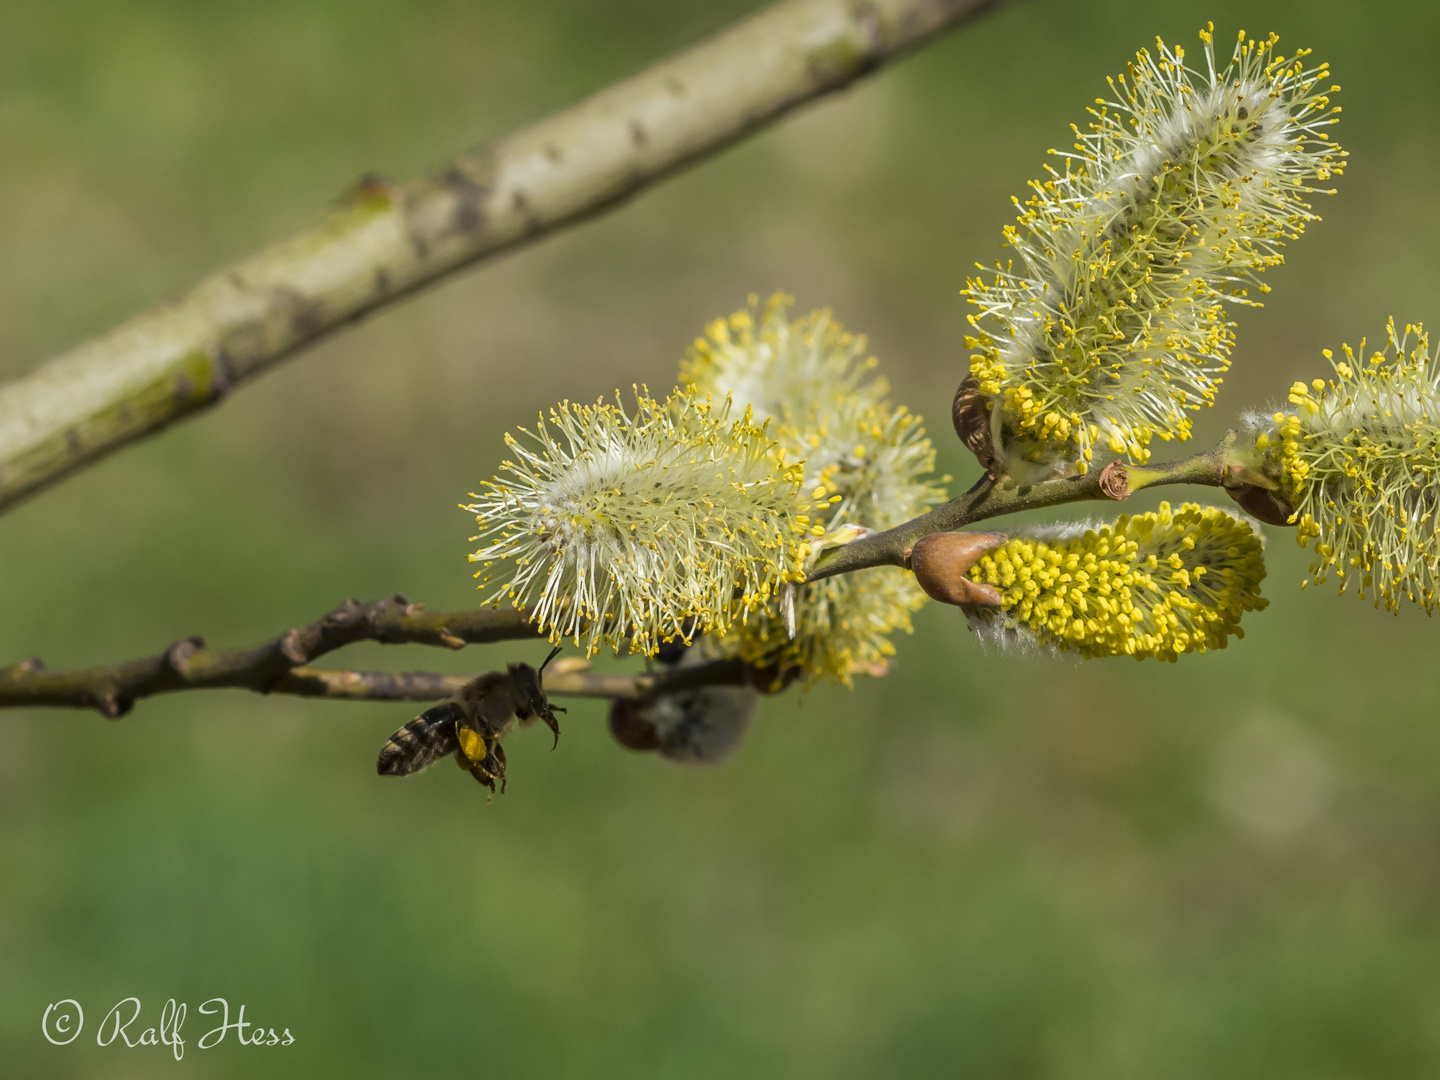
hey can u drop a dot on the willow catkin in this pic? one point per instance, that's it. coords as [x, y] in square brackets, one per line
[630, 529]
[1182, 191]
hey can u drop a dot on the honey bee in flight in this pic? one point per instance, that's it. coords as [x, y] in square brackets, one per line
[471, 724]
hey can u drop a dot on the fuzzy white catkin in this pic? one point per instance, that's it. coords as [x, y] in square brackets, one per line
[1358, 457]
[629, 529]
[1184, 188]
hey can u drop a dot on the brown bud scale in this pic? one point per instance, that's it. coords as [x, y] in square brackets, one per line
[941, 562]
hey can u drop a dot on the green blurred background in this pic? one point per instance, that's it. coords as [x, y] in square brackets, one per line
[978, 866]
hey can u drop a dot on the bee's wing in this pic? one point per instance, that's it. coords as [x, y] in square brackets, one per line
[421, 742]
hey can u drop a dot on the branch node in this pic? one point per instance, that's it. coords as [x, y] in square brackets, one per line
[1271, 507]
[1235, 474]
[291, 647]
[113, 706]
[179, 655]
[1114, 481]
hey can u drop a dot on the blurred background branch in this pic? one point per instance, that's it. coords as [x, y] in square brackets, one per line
[384, 241]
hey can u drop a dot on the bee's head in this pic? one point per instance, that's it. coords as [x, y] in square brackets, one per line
[530, 697]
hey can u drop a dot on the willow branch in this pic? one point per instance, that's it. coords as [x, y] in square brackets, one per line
[991, 499]
[384, 240]
[282, 664]
[266, 668]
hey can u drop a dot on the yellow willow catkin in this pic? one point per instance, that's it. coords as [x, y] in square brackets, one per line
[1182, 191]
[1158, 584]
[630, 529]
[865, 463]
[1359, 459]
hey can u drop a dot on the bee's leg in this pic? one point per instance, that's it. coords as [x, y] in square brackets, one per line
[484, 777]
[547, 713]
[484, 781]
[491, 766]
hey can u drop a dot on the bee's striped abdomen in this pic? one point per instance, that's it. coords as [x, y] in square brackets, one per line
[421, 742]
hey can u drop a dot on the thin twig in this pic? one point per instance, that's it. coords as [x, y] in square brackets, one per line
[384, 241]
[265, 668]
[430, 686]
[991, 499]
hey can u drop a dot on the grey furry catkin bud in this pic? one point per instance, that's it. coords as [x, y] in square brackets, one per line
[702, 726]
